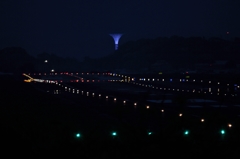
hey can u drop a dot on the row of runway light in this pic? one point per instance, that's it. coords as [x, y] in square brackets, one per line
[186, 132]
[114, 133]
[77, 91]
[187, 79]
[130, 79]
[182, 90]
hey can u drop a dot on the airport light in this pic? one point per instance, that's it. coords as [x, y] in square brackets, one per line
[114, 133]
[78, 135]
[186, 132]
[222, 132]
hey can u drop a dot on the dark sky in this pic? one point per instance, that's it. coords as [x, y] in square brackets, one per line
[78, 28]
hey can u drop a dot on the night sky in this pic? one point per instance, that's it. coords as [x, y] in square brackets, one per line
[78, 28]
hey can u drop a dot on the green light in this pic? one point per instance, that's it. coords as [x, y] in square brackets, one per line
[78, 135]
[186, 132]
[222, 132]
[114, 134]
[149, 133]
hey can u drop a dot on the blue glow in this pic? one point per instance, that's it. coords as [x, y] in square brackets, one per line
[78, 135]
[114, 134]
[170, 80]
[116, 38]
[222, 132]
[186, 132]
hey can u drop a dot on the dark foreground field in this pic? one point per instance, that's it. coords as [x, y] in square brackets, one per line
[37, 124]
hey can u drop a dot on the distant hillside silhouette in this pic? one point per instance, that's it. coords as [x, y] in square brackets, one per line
[177, 52]
[17, 60]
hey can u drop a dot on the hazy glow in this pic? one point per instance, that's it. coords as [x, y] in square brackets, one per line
[116, 38]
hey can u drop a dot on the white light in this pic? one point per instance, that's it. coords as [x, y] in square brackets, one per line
[124, 101]
[202, 120]
[147, 107]
[180, 114]
[106, 97]
[135, 103]
[229, 125]
[163, 80]
[209, 81]
[99, 95]
[115, 99]
[162, 110]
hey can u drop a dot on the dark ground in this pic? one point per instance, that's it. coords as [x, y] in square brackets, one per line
[36, 124]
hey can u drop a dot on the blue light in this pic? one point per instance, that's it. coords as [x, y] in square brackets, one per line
[78, 135]
[222, 132]
[116, 38]
[170, 80]
[114, 134]
[186, 132]
[149, 133]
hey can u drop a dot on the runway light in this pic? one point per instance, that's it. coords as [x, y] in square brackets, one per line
[114, 134]
[78, 135]
[222, 132]
[186, 132]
